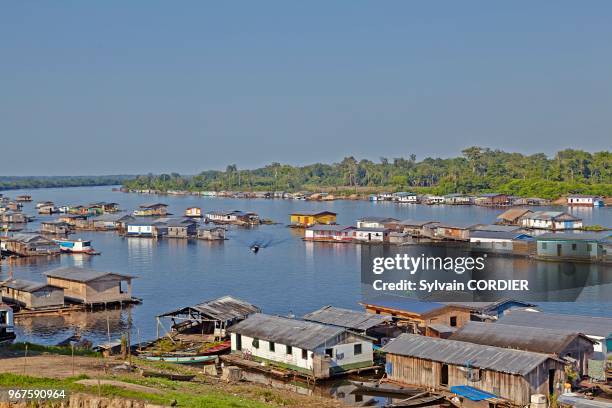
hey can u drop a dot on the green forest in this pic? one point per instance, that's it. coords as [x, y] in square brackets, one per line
[477, 170]
[26, 182]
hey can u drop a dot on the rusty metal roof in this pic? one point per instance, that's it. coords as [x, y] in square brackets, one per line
[225, 308]
[291, 332]
[462, 353]
[537, 339]
[81, 274]
[350, 319]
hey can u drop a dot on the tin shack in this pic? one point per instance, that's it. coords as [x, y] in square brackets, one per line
[32, 295]
[441, 364]
[90, 287]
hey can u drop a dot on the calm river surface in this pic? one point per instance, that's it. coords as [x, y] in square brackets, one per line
[290, 276]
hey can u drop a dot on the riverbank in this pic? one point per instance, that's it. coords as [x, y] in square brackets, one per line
[80, 375]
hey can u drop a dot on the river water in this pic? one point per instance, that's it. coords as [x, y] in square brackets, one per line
[290, 276]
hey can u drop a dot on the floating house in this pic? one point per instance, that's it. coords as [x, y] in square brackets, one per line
[582, 200]
[550, 220]
[405, 197]
[308, 219]
[458, 199]
[513, 375]
[152, 210]
[493, 200]
[371, 235]
[330, 233]
[211, 317]
[596, 328]
[78, 246]
[315, 350]
[46, 207]
[193, 212]
[456, 232]
[434, 199]
[111, 222]
[32, 295]
[377, 222]
[90, 287]
[512, 216]
[13, 217]
[7, 328]
[233, 217]
[23, 198]
[29, 244]
[211, 233]
[373, 325]
[418, 228]
[103, 207]
[146, 228]
[585, 246]
[573, 346]
[513, 243]
[14, 206]
[182, 228]
[428, 318]
[55, 227]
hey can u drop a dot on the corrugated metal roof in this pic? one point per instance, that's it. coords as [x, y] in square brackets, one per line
[509, 235]
[550, 215]
[537, 339]
[282, 330]
[29, 237]
[25, 285]
[496, 228]
[225, 308]
[574, 236]
[416, 223]
[313, 213]
[377, 219]
[589, 325]
[403, 304]
[327, 227]
[471, 393]
[513, 214]
[461, 353]
[80, 274]
[350, 319]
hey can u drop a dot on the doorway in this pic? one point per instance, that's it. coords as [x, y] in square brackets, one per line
[444, 375]
[238, 342]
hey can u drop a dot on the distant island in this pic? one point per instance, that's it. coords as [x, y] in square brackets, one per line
[27, 182]
[477, 170]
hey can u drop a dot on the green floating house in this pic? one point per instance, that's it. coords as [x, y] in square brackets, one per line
[585, 246]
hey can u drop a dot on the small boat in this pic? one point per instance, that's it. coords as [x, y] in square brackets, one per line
[217, 349]
[606, 389]
[418, 401]
[182, 359]
[168, 376]
[76, 246]
[384, 388]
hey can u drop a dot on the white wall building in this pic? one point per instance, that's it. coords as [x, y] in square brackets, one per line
[310, 348]
[550, 220]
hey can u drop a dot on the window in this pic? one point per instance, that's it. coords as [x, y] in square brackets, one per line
[589, 247]
[357, 349]
[453, 321]
[304, 354]
[255, 343]
[378, 312]
[543, 245]
[289, 350]
[271, 345]
[329, 352]
[573, 247]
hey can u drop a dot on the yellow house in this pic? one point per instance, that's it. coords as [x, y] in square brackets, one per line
[307, 219]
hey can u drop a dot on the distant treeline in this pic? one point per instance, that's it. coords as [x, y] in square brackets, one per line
[26, 182]
[477, 170]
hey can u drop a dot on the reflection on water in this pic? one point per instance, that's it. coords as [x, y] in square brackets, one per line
[291, 275]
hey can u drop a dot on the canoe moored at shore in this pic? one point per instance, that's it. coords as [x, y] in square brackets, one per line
[76, 246]
[182, 359]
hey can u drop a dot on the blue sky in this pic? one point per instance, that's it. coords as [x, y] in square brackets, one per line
[132, 87]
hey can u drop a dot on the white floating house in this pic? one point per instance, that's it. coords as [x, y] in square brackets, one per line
[313, 349]
[585, 200]
[550, 220]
